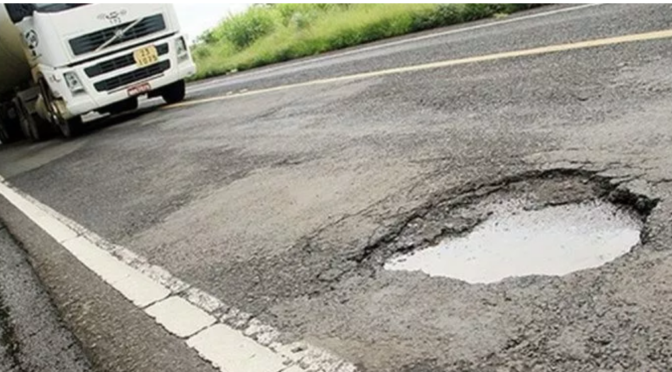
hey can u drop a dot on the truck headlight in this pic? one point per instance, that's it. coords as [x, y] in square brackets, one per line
[181, 49]
[73, 82]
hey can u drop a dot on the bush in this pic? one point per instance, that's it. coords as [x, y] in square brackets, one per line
[289, 12]
[245, 28]
[472, 12]
[201, 52]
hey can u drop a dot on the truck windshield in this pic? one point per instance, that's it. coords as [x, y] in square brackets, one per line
[55, 7]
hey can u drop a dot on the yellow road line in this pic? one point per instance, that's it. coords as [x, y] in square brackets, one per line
[665, 34]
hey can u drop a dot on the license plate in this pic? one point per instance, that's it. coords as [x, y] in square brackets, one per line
[146, 56]
[139, 89]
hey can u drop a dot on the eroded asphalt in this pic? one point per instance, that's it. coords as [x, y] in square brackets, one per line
[285, 204]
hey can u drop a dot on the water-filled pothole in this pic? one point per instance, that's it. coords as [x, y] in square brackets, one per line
[537, 223]
[516, 241]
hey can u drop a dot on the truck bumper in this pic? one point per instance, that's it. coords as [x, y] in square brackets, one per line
[103, 87]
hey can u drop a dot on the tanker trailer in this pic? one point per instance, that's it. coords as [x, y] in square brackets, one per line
[82, 58]
[14, 74]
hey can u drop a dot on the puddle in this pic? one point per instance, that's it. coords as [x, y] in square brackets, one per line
[516, 242]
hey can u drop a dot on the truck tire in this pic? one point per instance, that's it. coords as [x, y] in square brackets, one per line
[35, 128]
[4, 135]
[72, 127]
[9, 133]
[10, 130]
[174, 92]
[69, 128]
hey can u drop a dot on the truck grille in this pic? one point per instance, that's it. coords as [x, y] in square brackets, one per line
[131, 77]
[90, 42]
[118, 63]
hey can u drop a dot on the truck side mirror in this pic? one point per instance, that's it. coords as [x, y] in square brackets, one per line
[17, 12]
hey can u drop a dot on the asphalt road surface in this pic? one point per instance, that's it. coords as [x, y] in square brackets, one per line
[32, 338]
[283, 190]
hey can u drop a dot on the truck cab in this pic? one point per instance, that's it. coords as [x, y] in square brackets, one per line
[100, 57]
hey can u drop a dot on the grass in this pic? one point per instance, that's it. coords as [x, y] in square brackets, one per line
[272, 33]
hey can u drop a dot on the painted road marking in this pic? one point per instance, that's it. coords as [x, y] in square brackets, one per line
[180, 317]
[205, 301]
[227, 80]
[647, 36]
[221, 345]
[230, 339]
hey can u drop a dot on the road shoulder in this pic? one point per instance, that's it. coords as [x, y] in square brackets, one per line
[32, 337]
[116, 335]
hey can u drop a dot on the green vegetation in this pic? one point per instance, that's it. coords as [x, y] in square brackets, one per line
[271, 33]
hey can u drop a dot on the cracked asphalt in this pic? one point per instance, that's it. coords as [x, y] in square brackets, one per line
[285, 203]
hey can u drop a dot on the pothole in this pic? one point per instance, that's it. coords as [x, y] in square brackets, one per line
[545, 223]
[514, 241]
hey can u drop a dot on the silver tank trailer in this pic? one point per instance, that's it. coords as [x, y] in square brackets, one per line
[14, 68]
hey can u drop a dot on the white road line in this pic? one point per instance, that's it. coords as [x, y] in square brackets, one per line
[223, 81]
[231, 351]
[180, 317]
[229, 339]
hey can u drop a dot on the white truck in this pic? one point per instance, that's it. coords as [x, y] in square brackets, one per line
[61, 61]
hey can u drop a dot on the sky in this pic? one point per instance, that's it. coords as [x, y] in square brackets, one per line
[198, 17]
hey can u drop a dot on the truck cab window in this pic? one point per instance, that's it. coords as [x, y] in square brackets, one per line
[17, 12]
[55, 7]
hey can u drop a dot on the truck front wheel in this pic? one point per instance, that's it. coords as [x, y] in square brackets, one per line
[174, 92]
[72, 127]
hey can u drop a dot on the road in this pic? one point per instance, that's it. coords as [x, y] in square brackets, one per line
[281, 191]
[32, 338]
